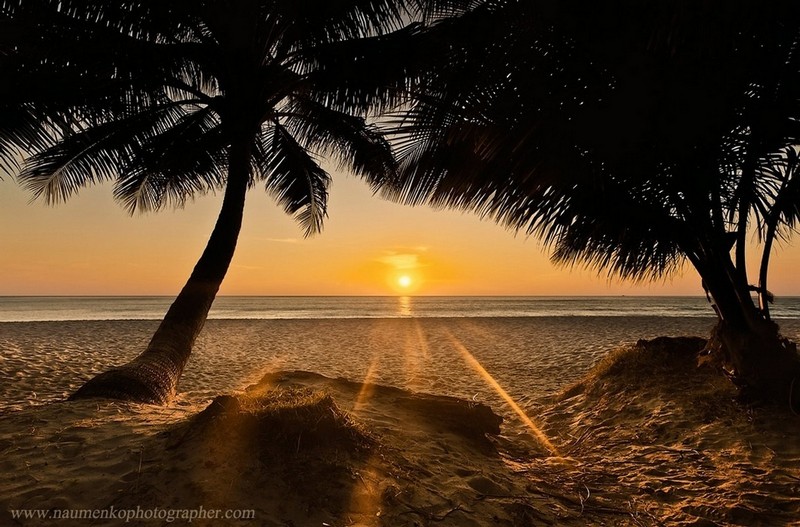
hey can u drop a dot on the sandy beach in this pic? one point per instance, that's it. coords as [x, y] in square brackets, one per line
[530, 357]
[637, 437]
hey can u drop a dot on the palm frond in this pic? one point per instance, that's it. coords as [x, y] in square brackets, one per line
[345, 137]
[366, 74]
[597, 232]
[183, 160]
[785, 200]
[79, 159]
[294, 178]
[433, 10]
[336, 20]
[80, 155]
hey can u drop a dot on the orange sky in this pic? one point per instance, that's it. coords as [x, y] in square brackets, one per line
[90, 246]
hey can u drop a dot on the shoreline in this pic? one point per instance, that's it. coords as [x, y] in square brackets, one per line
[710, 316]
[320, 307]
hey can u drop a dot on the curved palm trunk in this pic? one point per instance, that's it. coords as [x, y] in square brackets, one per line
[153, 376]
[749, 345]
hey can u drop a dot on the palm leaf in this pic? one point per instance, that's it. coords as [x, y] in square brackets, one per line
[345, 137]
[183, 160]
[371, 73]
[553, 119]
[336, 20]
[294, 178]
[81, 156]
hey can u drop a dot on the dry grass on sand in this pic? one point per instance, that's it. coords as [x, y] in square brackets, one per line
[651, 434]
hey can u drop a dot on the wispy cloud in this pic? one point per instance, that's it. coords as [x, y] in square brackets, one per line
[401, 260]
[283, 240]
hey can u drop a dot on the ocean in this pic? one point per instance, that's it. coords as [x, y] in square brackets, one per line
[30, 309]
[530, 346]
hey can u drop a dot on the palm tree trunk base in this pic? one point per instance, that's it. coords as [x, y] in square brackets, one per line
[762, 363]
[135, 382]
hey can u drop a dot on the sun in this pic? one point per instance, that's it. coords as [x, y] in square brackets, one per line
[405, 282]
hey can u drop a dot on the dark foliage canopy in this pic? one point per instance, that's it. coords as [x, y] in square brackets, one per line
[150, 95]
[628, 135]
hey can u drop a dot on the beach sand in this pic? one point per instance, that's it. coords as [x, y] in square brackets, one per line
[529, 357]
[646, 438]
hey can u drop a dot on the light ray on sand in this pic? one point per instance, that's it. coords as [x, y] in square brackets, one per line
[421, 340]
[537, 432]
[415, 354]
[367, 386]
[365, 500]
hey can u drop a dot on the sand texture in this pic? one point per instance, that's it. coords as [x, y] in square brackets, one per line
[46, 361]
[646, 438]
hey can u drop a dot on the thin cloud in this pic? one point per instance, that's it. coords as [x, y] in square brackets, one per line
[401, 260]
[283, 240]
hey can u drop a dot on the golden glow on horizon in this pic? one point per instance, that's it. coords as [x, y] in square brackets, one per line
[404, 268]
[90, 246]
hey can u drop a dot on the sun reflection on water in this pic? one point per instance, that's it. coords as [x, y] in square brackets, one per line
[404, 306]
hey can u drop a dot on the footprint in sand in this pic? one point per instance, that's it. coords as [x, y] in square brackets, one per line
[69, 449]
[486, 486]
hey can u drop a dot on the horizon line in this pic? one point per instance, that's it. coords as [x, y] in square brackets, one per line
[371, 296]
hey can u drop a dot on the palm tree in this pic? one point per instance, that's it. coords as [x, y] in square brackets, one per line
[631, 144]
[172, 99]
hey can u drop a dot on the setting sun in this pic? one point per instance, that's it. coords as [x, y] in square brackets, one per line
[404, 282]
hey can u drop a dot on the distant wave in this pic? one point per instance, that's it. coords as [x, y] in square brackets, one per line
[32, 309]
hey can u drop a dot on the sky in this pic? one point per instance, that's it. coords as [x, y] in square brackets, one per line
[92, 246]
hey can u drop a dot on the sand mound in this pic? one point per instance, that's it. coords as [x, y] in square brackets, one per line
[470, 420]
[655, 438]
[297, 453]
[297, 449]
[430, 457]
[280, 420]
[303, 449]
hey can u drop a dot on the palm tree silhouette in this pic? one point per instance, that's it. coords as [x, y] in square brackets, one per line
[171, 99]
[630, 143]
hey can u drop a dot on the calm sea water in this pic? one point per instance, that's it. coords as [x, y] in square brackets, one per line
[30, 309]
